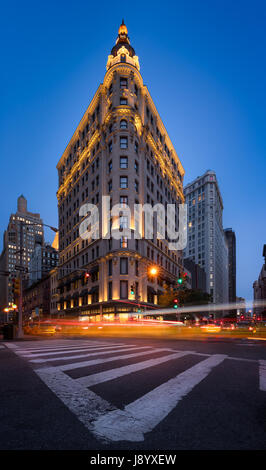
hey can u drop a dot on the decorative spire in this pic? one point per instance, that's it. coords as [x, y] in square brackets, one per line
[122, 51]
[122, 32]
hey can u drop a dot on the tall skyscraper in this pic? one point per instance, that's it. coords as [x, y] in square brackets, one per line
[206, 241]
[231, 243]
[120, 149]
[23, 231]
[42, 261]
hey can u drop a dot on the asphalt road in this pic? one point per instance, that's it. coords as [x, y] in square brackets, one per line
[133, 393]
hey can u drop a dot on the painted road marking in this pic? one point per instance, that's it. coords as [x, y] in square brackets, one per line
[142, 415]
[79, 356]
[262, 374]
[78, 365]
[112, 374]
[256, 338]
[69, 351]
[72, 346]
[11, 345]
[109, 423]
[84, 403]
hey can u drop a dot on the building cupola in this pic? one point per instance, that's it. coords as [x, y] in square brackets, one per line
[122, 51]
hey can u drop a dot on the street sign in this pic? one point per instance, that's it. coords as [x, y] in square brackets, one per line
[21, 268]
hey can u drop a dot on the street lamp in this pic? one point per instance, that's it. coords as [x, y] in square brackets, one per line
[153, 271]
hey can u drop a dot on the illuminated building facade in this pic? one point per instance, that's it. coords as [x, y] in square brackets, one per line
[206, 244]
[259, 290]
[23, 231]
[120, 149]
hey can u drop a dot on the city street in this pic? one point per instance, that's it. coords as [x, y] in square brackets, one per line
[133, 393]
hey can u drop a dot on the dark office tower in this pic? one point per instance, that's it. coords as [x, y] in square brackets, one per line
[231, 243]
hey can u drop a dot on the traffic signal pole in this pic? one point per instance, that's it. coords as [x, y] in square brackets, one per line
[20, 333]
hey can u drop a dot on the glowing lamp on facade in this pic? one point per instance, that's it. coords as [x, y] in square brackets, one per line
[153, 271]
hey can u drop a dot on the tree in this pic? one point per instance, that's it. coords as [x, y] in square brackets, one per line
[186, 297]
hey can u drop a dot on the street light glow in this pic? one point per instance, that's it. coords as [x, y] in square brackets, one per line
[153, 271]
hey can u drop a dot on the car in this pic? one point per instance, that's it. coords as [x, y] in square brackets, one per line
[40, 329]
[228, 326]
[211, 328]
[31, 328]
[47, 329]
[245, 325]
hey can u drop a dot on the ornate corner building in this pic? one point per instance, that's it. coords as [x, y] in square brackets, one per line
[120, 149]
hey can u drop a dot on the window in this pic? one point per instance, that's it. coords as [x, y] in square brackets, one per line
[123, 124]
[123, 58]
[123, 266]
[123, 242]
[136, 167]
[110, 146]
[110, 166]
[110, 290]
[123, 221]
[136, 186]
[123, 201]
[110, 185]
[123, 82]
[123, 182]
[123, 289]
[110, 267]
[123, 142]
[123, 101]
[136, 147]
[136, 268]
[123, 162]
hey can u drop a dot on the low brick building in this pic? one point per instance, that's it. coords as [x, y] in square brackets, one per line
[37, 300]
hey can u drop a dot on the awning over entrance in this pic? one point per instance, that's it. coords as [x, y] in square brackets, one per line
[93, 290]
[151, 290]
[94, 269]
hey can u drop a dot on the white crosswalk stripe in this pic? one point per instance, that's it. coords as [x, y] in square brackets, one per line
[69, 351]
[63, 348]
[78, 365]
[56, 362]
[262, 373]
[112, 374]
[145, 413]
[98, 353]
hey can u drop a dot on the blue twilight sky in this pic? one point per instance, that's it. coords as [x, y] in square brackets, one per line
[204, 64]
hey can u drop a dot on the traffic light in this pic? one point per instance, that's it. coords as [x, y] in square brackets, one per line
[86, 277]
[132, 290]
[15, 288]
[175, 303]
[182, 278]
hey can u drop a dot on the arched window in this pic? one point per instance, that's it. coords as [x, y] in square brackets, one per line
[123, 124]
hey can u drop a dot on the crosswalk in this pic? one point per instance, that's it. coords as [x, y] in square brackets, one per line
[73, 368]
